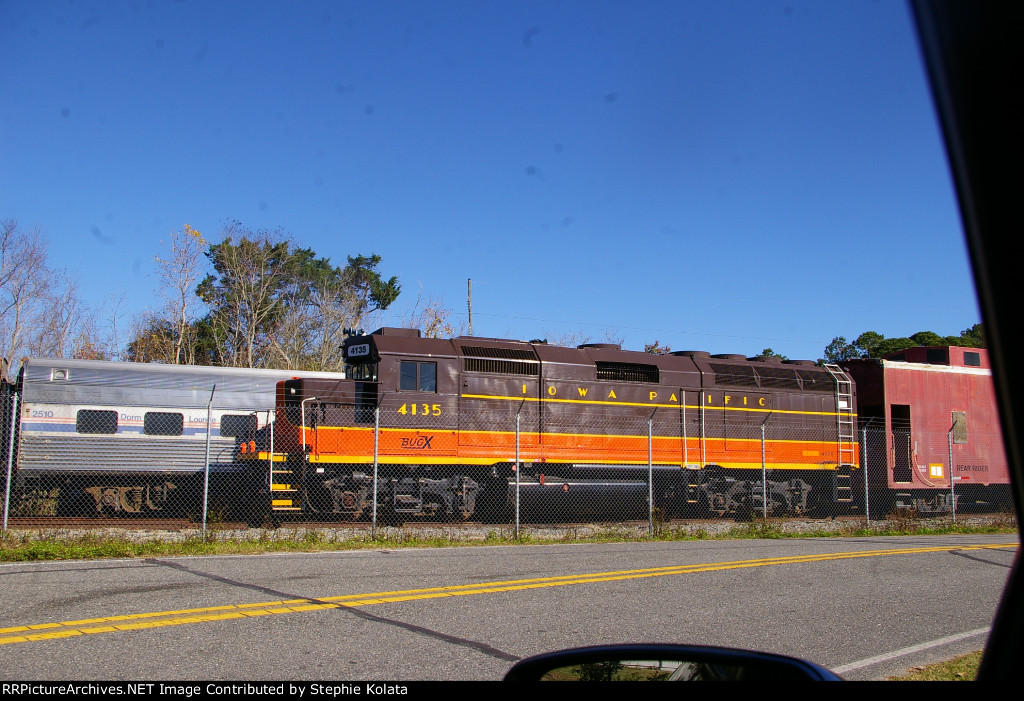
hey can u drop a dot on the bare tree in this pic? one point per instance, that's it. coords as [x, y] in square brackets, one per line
[570, 339]
[63, 322]
[88, 343]
[310, 332]
[433, 317]
[178, 274]
[578, 338]
[114, 314]
[23, 279]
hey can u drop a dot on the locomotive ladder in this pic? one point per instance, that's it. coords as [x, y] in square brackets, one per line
[845, 432]
[279, 490]
[282, 493]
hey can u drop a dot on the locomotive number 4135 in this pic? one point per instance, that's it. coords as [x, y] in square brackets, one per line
[420, 409]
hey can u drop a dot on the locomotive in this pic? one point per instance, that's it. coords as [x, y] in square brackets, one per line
[448, 423]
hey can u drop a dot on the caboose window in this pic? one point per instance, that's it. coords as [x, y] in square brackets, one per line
[972, 359]
[418, 376]
[960, 427]
[162, 423]
[96, 421]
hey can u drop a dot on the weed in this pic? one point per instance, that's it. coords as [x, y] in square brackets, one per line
[313, 537]
[960, 669]
[760, 529]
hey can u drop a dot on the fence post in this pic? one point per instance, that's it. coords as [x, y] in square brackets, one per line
[764, 479]
[270, 469]
[864, 469]
[686, 448]
[376, 452]
[206, 469]
[517, 466]
[650, 474]
[764, 472]
[952, 489]
[703, 438]
[12, 427]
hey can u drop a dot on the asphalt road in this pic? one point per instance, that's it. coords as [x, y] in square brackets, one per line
[866, 607]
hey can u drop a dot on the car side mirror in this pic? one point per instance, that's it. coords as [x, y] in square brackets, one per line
[665, 663]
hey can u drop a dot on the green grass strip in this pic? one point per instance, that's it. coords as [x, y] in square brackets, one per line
[28, 546]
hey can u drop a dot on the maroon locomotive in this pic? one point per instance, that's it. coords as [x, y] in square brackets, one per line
[445, 421]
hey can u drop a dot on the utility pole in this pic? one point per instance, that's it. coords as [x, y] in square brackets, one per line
[469, 302]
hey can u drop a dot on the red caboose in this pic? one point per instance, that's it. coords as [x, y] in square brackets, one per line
[930, 429]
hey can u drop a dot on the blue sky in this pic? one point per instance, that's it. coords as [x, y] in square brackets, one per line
[719, 176]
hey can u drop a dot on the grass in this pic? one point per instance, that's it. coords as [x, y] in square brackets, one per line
[959, 669]
[22, 546]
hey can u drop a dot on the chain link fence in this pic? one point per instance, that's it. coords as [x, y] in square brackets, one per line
[398, 461]
[910, 473]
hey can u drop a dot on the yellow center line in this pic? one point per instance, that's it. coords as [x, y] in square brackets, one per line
[157, 619]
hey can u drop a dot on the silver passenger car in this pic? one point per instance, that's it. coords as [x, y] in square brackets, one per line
[110, 437]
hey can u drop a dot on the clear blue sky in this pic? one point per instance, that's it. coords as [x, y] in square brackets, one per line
[722, 176]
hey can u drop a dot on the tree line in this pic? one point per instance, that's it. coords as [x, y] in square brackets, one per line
[254, 299]
[871, 344]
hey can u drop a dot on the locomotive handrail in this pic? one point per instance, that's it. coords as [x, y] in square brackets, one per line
[302, 418]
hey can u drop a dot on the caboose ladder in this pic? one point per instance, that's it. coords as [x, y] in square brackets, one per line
[845, 432]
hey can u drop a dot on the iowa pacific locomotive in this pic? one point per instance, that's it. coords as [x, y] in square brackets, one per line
[448, 423]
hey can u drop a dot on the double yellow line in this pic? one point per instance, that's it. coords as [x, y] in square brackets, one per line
[159, 619]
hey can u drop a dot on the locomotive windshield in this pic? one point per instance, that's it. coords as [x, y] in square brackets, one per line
[366, 371]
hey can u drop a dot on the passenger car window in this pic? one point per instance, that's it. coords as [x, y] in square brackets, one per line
[160, 423]
[95, 421]
[237, 425]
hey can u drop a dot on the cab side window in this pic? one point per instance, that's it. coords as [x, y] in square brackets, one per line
[415, 376]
